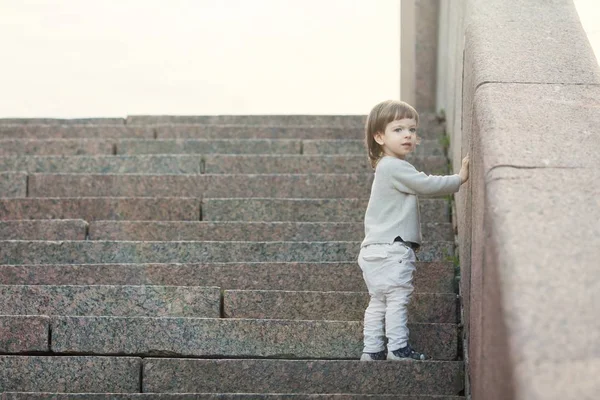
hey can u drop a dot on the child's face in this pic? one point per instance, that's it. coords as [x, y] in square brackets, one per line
[399, 137]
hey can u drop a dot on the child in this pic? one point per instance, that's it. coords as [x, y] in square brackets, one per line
[392, 227]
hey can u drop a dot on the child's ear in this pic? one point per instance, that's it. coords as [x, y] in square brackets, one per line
[418, 141]
[378, 136]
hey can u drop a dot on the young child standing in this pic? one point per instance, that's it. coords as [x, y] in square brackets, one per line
[393, 228]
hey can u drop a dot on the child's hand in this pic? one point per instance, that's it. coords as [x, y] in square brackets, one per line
[464, 170]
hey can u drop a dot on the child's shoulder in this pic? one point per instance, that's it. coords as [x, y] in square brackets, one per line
[388, 163]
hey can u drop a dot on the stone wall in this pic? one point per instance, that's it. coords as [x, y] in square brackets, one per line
[521, 90]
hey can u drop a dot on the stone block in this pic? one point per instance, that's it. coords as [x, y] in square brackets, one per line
[428, 147]
[43, 230]
[158, 164]
[345, 121]
[70, 374]
[334, 306]
[306, 210]
[432, 277]
[50, 131]
[46, 147]
[203, 146]
[20, 334]
[277, 186]
[302, 376]
[13, 184]
[149, 301]
[101, 208]
[222, 337]
[115, 252]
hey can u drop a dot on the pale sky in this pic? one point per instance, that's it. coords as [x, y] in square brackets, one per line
[77, 58]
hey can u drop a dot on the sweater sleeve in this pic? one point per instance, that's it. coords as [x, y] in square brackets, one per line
[405, 178]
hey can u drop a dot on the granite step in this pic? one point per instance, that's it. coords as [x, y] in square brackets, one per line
[204, 146]
[430, 277]
[45, 147]
[429, 147]
[307, 209]
[24, 334]
[301, 376]
[225, 338]
[50, 131]
[214, 396]
[109, 164]
[331, 306]
[345, 121]
[307, 164]
[13, 184]
[70, 374]
[122, 301]
[17, 252]
[208, 185]
[101, 208]
[225, 231]
[75, 229]
[210, 164]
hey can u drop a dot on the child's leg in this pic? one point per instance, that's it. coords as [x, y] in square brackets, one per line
[396, 317]
[374, 334]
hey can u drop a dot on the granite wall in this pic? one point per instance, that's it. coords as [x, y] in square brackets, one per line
[521, 91]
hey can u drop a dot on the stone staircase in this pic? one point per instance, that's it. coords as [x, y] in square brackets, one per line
[206, 257]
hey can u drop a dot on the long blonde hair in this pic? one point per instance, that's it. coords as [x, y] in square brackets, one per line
[381, 115]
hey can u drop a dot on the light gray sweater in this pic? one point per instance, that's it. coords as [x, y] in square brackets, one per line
[393, 208]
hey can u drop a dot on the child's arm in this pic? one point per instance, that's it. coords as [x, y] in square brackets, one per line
[406, 178]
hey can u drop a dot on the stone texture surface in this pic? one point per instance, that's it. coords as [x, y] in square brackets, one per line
[531, 301]
[148, 301]
[333, 306]
[299, 376]
[70, 374]
[62, 121]
[429, 147]
[240, 231]
[9, 147]
[430, 277]
[50, 131]
[296, 164]
[152, 164]
[537, 148]
[108, 252]
[13, 184]
[202, 146]
[43, 230]
[19, 334]
[101, 208]
[346, 121]
[426, 52]
[220, 337]
[306, 209]
[211, 396]
[276, 185]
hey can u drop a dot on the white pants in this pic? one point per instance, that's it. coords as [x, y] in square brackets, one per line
[388, 272]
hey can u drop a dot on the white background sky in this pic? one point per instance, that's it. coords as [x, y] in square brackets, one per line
[80, 58]
[76, 58]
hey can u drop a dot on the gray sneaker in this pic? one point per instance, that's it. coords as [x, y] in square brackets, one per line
[406, 354]
[379, 356]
